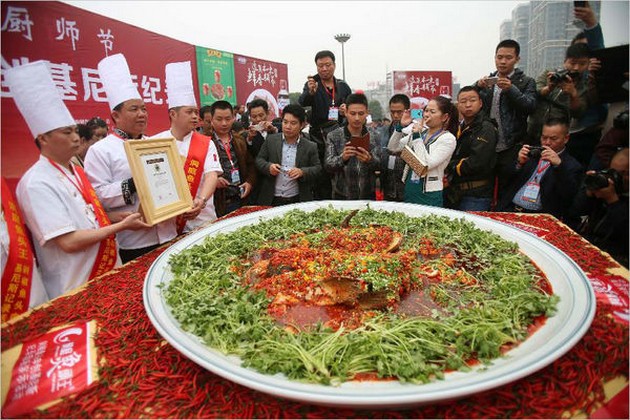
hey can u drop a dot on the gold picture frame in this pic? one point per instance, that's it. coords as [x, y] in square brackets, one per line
[158, 173]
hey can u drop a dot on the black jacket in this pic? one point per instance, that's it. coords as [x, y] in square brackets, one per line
[257, 143]
[605, 226]
[475, 156]
[306, 159]
[321, 101]
[558, 186]
[515, 105]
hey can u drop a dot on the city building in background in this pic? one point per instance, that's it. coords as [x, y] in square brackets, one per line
[505, 31]
[520, 32]
[544, 30]
[379, 91]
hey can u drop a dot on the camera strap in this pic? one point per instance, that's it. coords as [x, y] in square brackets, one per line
[540, 170]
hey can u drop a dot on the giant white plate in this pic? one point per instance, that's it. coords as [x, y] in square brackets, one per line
[560, 333]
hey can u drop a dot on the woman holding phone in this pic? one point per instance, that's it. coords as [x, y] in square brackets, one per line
[433, 146]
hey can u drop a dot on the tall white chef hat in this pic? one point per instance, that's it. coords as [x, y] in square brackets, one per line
[116, 78]
[37, 98]
[179, 85]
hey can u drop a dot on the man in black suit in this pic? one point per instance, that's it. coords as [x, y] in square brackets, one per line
[288, 164]
[544, 180]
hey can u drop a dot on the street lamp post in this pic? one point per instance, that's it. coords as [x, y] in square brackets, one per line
[343, 38]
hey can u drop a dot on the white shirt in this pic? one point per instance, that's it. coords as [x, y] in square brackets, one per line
[106, 166]
[52, 207]
[211, 164]
[436, 159]
[38, 291]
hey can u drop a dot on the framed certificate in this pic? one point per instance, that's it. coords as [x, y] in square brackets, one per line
[158, 173]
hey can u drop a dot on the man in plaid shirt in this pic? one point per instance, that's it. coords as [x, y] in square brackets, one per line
[352, 168]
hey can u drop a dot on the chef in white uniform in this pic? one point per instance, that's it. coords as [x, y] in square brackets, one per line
[73, 238]
[106, 162]
[201, 161]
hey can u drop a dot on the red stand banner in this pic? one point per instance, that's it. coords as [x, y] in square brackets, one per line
[261, 79]
[421, 86]
[50, 367]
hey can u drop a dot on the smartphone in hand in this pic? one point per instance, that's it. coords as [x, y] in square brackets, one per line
[416, 114]
[491, 81]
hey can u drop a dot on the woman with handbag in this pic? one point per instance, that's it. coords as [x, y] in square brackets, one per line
[426, 151]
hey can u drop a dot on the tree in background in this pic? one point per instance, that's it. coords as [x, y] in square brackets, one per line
[376, 110]
[293, 97]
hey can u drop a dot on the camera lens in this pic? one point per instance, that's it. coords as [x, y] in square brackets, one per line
[534, 153]
[595, 181]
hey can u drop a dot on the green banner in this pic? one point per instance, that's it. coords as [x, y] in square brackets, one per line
[216, 76]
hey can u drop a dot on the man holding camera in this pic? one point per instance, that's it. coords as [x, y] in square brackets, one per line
[326, 95]
[602, 203]
[259, 127]
[564, 93]
[508, 96]
[544, 179]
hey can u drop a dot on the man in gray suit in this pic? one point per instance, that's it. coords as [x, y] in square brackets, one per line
[288, 164]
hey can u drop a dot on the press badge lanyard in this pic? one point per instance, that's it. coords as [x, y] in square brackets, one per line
[227, 150]
[542, 166]
[532, 189]
[235, 175]
[332, 97]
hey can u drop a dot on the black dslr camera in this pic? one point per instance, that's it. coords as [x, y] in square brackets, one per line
[535, 152]
[560, 76]
[599, 180]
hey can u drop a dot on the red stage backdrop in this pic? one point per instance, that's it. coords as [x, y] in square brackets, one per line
[421, 86]
[73, 41]
[256, 78]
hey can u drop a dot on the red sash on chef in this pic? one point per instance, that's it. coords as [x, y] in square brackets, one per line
[18, 272]
[106, 256]
[193, 168]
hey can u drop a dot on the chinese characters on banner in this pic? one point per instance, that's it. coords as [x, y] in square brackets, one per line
[421, 86]
[56, 364]
[73, 41]
[17, 276]
[260, 79]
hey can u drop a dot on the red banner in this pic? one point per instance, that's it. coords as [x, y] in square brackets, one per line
[74, 41]
[50, 367]
[17, 278]
[613, 290]
[256, 78]
[421, 86]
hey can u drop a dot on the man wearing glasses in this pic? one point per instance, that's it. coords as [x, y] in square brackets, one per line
[326, 95]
